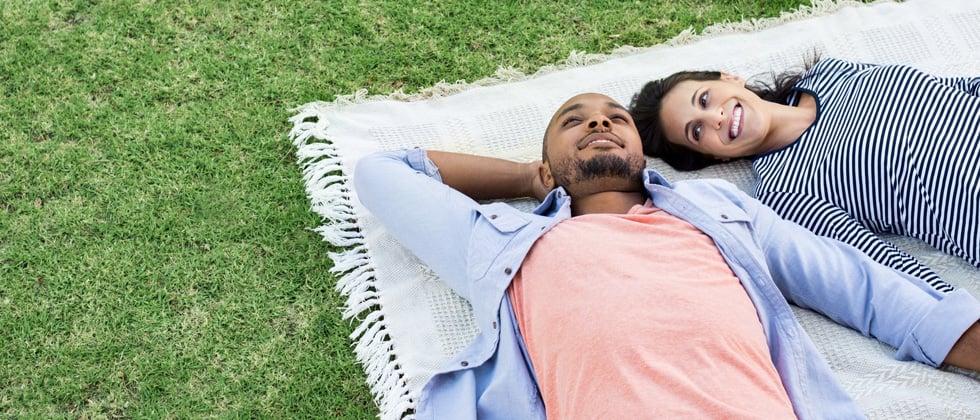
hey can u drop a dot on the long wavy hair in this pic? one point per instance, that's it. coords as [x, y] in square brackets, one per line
[646, 105]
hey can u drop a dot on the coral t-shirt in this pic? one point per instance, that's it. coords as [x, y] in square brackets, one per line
[639, 316]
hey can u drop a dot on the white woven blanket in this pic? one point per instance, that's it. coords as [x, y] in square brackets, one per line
[408, 323]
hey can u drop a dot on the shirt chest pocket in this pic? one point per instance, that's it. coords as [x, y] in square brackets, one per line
[494, 228]
[728, 215]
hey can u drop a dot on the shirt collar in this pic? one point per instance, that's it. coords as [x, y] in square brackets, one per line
[652, 177]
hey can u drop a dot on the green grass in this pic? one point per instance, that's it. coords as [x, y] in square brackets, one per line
[156, 258]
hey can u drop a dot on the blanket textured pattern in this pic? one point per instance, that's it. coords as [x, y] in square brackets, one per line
[408, 323]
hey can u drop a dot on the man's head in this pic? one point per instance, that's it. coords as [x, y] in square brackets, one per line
[591, 145]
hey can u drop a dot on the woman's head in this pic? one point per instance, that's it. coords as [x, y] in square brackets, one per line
[646, 108]
[694, 119]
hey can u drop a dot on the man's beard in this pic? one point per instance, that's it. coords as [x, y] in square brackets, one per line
[567, 172]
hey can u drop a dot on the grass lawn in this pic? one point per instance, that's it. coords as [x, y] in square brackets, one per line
[156, 258]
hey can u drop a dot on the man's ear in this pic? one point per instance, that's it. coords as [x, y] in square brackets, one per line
[544, 173]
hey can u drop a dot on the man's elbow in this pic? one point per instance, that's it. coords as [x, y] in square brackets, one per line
[369, 175]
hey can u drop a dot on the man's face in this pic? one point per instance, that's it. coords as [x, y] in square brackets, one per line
[592, 145]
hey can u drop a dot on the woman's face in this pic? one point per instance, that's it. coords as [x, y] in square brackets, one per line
[719, 118]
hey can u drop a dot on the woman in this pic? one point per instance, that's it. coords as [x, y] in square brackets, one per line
[845, 149]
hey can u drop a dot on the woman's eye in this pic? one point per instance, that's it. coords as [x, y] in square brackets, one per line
[696, 132]
[703, 99]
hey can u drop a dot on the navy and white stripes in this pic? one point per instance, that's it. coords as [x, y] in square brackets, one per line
[892, 150]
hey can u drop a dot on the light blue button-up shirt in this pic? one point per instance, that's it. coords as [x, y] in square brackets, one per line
[478, 248]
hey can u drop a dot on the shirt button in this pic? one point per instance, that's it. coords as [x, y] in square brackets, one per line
[507, 271]
[724, 217]
[464, 363]
[493, 216]
[494, 324]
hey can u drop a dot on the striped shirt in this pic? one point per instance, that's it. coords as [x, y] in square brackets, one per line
[892, 150]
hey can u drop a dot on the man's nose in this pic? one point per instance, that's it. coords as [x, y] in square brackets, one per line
[599, 122]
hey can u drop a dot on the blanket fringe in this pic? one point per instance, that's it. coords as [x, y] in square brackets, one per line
[326, 178]
[372, 346]
[330, 198]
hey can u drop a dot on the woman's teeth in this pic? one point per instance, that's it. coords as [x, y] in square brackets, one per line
[733, 131]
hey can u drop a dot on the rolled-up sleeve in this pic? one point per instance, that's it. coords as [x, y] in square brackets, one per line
[932, 338]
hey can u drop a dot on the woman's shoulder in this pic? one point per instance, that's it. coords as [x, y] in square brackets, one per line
[827, 74]
[830, 73]
[834, 65]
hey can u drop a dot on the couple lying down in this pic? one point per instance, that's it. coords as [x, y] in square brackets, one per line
[624, 295]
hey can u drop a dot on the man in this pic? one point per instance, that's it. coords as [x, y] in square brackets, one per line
[625, 296]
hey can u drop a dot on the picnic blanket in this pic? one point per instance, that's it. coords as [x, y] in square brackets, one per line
[409, 324]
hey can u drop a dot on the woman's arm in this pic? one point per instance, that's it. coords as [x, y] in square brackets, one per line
[488, 178]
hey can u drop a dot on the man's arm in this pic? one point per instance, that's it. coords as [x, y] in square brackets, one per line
[487, 178]
[403, 190]
[845, 284]
[825, 218]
